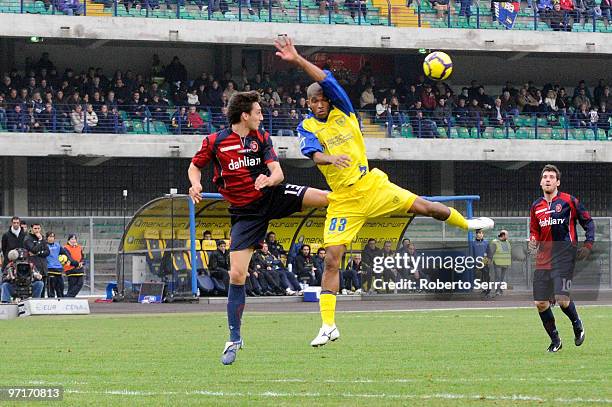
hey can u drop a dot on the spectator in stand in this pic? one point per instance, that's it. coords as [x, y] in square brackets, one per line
[442, 113]
[604, 119]
[159, 109]
[582, 98]
[106, 121]
[195, 124]
[16, 120]
[136, 109]
[497, 115]
[581, 117]
[122, 93]
[606, 98]
[229, 90]
[355, 7]
[466, 9]
[382, 111]
[569, 9]
[551, 102]
[593, 118]
[526, 102]
[179, 120]
[215, 96]
[562, 103]
[508, 103]
[589, 10]
[325, 5]
[192, 98]
[32, 121]
[77, 119]
[441, 6]
[91, 118]
[175, 72]
[111, 102]
[219, 120]
[428, 99]
[47, 118]
[484, 100]
[476, 115]
[559, 19]
[2, 111]
[293, 120]
[461, 114]
[367, 100]
[606, 11]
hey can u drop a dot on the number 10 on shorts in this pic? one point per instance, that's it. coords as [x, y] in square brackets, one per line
[340, 223]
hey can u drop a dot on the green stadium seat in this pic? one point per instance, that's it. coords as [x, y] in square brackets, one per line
[442, 132]
[601, 134]
[407, 132]
[542, 122]
[488, 133]
[454, 133]
[499, 133]
[137, 127]
[589, 134]
[473, 132]
[510, 132]
[159, 128]
[462, 132]
[558, 134]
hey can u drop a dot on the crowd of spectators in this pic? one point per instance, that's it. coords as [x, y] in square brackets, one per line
[45, 100]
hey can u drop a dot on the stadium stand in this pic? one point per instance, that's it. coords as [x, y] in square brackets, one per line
[89, 102]
[538, 15]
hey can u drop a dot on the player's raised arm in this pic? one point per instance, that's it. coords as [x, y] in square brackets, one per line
[330, 87]
[287, 52]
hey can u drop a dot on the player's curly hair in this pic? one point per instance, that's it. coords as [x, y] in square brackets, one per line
[241, 102]
[551, 168]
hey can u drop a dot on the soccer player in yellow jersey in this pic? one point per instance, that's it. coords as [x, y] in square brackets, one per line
[332, 138]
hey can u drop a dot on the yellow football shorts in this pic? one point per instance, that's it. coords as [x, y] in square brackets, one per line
[371, 197]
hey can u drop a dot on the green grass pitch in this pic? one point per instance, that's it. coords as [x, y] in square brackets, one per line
[423, 358]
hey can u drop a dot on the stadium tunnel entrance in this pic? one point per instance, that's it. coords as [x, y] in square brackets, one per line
[163, 242]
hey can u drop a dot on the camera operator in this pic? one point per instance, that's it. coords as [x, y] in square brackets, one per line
[36, 244]
[9, 276]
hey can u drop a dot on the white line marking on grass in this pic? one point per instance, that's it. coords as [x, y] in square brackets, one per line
[417, 380]
[270, 394]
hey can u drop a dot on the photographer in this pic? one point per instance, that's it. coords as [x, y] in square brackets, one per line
[16, 258]
[36, 245]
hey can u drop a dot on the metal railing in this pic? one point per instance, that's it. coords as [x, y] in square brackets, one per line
[352, 12]
[461, 122]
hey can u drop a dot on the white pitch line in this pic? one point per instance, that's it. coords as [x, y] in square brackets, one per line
[419, 380]
[270, 394]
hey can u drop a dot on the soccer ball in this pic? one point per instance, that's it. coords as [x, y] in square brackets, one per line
[438, 66]
[63, 259]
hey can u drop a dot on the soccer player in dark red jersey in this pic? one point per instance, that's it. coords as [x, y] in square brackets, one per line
[554, 237]
[248, 175]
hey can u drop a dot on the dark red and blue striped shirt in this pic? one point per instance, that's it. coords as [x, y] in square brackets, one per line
[556, 222]
[237, 162]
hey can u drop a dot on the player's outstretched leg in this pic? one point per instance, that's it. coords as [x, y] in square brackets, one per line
[236, 300]
[327, 302]
[569, 309]
[548, 320]
[449, 215]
